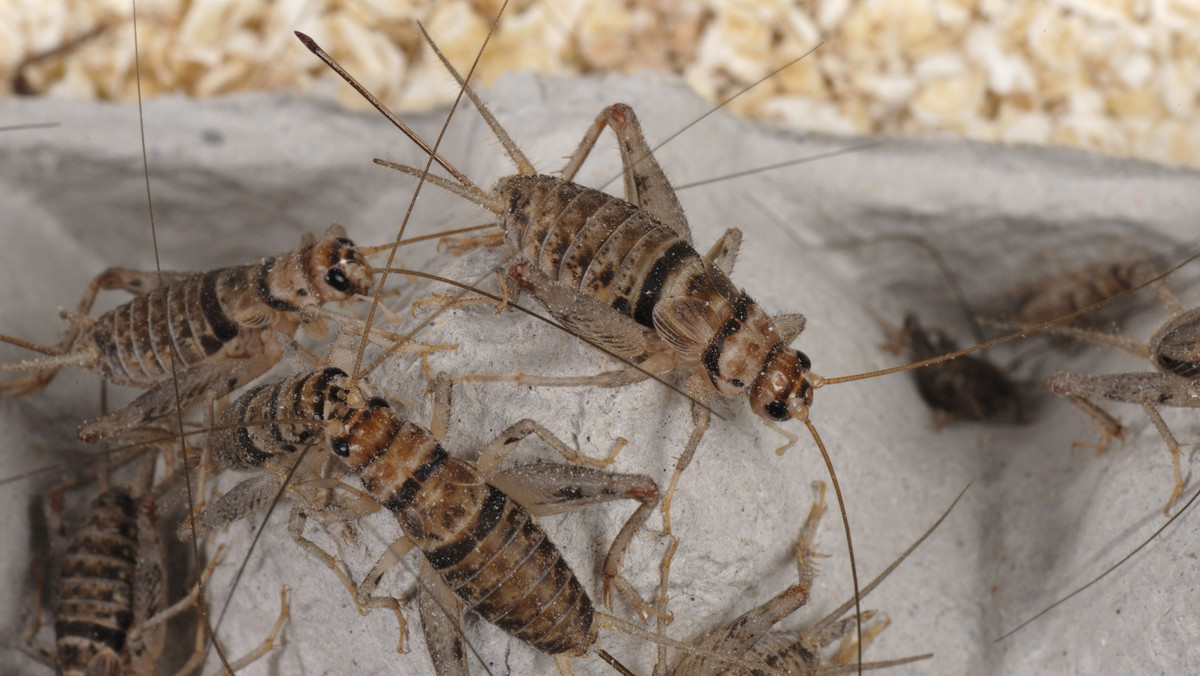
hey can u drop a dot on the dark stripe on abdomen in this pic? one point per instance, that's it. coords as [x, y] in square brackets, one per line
[223, 330]
[489, 515]
[664, 268]
[437, 458]
[712, 354]
[264, 288]
[401, 498]
[90, 631]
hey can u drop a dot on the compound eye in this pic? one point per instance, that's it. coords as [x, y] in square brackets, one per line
[778, 410]
[344, 241]
[337, 279]
[805, 362]
[341, 447]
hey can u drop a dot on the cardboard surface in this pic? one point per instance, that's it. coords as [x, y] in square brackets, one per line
[235, 180]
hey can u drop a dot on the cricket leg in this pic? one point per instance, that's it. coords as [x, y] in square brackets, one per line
[441, 622]
[1176, 453]
[552, 488]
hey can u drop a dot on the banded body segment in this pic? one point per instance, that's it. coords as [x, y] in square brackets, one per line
[94, 610]
[1175, 348]
[600, 245]
[608, 249]
[782, 651]
[779, 652]
[250, 431]
[484, 545]
[193, 319]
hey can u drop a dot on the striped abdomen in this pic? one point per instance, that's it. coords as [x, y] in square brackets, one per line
[191, 319]
[95, 589]
[1176, 347]
[623, 256]
[604, 247]
[248, 434]
[485, 546]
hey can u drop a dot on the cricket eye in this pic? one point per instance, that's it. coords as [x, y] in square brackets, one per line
[777, 410]
[337, 279]
[341, 447]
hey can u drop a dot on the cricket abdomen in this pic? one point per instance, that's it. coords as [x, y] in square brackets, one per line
[601, 246]
[300, 397]
[95, 590]
[190, 319]
[1176, 347]
[484, 545]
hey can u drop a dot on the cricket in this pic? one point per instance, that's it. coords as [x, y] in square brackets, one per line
[737, 505]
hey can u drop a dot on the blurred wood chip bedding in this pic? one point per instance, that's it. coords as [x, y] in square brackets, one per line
[1117, 76]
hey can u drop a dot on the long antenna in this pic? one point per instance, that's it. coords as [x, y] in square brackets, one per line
[1028, 331]
[201, 602]
[1101, 576]
[431, 151]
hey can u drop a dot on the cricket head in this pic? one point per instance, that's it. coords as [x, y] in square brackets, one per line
[336, 269]
[359, 436]
[782, 389]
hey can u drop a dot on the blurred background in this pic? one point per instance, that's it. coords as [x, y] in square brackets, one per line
[1116, 76]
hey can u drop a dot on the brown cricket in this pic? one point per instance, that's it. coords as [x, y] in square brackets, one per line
[110, 608]
[752, 635]
[624, 275]
[474, 525]
[967, 388]
[1069, 291]
[215, 330]
[1174, 350]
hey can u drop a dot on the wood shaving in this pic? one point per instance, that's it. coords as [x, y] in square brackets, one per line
[1117, 76]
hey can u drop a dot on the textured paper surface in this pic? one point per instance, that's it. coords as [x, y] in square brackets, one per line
[238, 179]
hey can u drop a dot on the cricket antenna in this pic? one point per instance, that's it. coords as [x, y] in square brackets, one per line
[469, 190]
[1101, 576]
[1027, 331]
[201, 601]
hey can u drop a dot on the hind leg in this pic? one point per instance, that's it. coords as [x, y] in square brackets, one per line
[136, 282]
[363, 593]
[1176, 454]
[646, 185]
